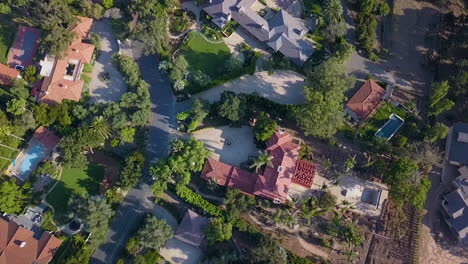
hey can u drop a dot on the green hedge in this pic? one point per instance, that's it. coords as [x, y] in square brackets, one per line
[191, 197]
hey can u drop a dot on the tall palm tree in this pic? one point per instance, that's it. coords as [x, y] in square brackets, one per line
[333, 11]
[101, 127]
[263, 160]
[310, 209]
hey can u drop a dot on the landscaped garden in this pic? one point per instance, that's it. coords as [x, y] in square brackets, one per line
[214, 61]
[75, 181]
[7, 34]
[208, 57]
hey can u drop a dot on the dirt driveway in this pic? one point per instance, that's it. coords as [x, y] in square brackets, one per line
[404, 35]
[178, 252]
[230, 145]
[284, 87]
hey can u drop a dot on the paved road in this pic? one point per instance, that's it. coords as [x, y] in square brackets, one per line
[139, 200]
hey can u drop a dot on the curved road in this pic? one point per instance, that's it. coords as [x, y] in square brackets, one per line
[139, 200]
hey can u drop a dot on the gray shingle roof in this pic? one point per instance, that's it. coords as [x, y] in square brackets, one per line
[283, 32]
[458, 151]
[190, 229]
[455, 202]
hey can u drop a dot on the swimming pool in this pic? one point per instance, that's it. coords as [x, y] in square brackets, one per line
[29, 158]
[389, 129]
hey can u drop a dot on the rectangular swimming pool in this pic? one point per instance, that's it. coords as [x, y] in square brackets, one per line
[28, 160]
[389, 129]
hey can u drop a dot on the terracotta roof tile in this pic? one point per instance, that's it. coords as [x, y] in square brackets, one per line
[55, 87]
[7, 74]
[46, 137]
[366, 100]
[19, 245]
[304, 173]
[274, 182]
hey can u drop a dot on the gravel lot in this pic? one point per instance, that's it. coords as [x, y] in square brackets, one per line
[242, 143]
[112, 90]
[284, 87]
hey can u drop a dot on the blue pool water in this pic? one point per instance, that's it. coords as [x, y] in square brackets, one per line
[391, 127]
[33, 155]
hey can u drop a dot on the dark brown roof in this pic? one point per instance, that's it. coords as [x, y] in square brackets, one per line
[366, 100]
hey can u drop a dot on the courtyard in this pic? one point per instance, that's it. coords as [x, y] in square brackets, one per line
[230, 145]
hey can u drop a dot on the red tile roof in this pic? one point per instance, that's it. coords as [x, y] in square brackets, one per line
[7, 74]
[366, 100]
[55, 87]
[20, 246]
[274, 182]
[46, 137]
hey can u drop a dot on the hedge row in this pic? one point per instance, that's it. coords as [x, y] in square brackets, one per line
[194, 198]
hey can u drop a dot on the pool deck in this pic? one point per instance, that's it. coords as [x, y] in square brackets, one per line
[43, 137]
[15, 167]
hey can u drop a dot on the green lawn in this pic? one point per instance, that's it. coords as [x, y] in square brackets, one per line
[206, 56]
[7, 34]
[75, 181]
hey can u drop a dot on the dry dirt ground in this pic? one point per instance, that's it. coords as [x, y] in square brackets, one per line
[284, 87]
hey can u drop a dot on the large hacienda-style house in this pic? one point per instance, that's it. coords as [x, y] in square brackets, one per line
[62, 76]
[283, 32]
[274, 181]
[366, 101]
[21, 246]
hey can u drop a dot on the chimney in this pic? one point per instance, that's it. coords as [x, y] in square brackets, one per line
[22, 244]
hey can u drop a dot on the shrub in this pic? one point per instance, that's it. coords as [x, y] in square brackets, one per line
[193, 198]
[192, 126]
[401, 141]
[373, 57]
[265, 127]
[88, 68]
[182, 116]
[108, 3]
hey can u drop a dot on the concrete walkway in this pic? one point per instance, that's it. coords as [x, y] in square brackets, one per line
[112, 90]
[284, 87]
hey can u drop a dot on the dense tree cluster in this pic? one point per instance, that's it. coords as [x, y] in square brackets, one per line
[186, 158]
[131, 171]
[265, 127]
[13, 197]
[322, 116]
[366, 22]
[151, 26]
[95, 214]
[408, 185]
[438, 102]
[152, 234]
